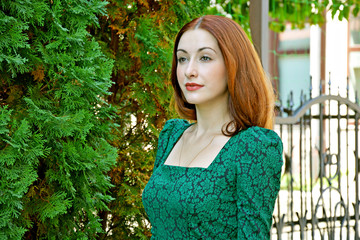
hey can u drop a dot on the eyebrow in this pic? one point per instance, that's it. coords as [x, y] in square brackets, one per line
[200, 49]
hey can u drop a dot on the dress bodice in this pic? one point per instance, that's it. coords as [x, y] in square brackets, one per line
[231, 199]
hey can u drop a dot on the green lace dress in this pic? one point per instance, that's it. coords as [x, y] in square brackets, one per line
[231, 199]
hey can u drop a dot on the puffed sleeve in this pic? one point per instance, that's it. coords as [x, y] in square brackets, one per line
[166, 133]
[259, 163]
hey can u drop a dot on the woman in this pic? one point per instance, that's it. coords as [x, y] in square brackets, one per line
[217, 178]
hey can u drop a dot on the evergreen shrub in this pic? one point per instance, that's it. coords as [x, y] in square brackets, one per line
[55, 122]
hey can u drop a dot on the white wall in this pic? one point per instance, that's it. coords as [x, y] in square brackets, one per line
[336, 54]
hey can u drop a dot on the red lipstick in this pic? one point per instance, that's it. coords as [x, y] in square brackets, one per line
[193, 86]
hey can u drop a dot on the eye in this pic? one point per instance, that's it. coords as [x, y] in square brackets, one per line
[205, 58]
[181, 59]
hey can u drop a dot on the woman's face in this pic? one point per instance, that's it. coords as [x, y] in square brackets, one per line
[201, 70]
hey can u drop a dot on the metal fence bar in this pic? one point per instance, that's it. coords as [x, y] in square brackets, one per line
[326, 206]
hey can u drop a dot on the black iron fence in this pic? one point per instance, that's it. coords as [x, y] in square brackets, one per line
[319, 196]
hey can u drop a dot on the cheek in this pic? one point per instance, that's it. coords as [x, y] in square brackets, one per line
[179, 75]
[221, 74]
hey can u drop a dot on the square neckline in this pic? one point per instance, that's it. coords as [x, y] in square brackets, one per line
[183, 167]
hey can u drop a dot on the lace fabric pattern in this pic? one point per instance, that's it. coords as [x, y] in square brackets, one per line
[231, 199]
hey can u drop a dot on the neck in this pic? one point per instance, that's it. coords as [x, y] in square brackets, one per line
[211, 118]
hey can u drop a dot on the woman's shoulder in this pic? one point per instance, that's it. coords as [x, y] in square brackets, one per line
[257, 134]
[168, 135]
[175, 123]
[257, 141]
[172, 126]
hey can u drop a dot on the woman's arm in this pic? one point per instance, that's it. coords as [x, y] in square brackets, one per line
[259, 163]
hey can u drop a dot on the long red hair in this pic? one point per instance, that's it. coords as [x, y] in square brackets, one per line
[251, 95]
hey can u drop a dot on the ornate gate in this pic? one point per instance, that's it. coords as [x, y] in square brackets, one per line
[319, 196]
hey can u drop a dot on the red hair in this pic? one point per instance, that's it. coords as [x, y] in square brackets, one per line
[251, 95]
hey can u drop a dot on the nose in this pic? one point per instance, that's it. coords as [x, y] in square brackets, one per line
[191, 70]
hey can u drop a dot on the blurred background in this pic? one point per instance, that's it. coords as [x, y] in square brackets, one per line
[85, 91]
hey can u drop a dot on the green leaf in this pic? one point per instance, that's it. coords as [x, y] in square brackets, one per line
[355, 11]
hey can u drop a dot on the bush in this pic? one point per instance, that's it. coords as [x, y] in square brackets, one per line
[54, 121]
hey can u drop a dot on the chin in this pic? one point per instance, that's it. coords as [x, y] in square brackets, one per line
[193, 101]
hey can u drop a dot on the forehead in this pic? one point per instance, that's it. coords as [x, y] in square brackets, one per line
[196, 39]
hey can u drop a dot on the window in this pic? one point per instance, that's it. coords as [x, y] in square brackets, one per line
[292, 57]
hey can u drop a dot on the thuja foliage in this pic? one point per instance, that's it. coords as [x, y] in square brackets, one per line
[54, 121]
[138, 35]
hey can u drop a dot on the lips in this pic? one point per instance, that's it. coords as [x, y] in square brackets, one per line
[193, 86]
